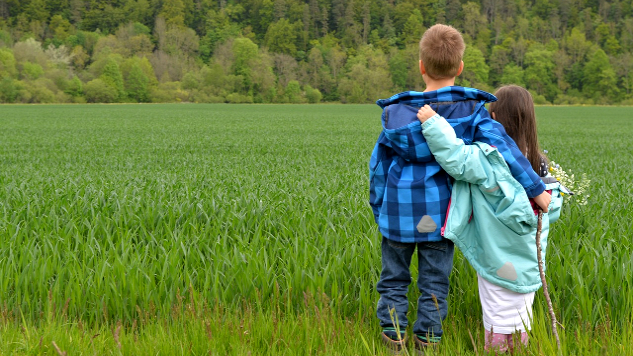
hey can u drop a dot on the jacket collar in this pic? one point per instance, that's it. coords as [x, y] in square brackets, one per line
[446, 94]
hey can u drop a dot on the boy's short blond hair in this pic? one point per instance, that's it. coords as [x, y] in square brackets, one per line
[441, 51]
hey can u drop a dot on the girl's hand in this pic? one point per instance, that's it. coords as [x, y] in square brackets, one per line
[425, 113]
[543, 201]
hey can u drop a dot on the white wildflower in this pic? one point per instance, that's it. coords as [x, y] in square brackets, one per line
[579, 187]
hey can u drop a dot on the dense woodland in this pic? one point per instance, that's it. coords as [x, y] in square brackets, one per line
[280, 51]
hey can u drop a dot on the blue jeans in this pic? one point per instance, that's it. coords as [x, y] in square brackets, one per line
[435, 261]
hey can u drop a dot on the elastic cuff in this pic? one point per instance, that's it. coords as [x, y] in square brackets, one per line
[431, 120]
[535, 190]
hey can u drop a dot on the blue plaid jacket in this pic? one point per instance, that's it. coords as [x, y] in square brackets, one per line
[408, 190]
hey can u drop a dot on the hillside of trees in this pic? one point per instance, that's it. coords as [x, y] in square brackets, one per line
[296, 51]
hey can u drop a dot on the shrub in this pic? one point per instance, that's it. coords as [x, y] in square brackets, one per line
[313, 95]
[8, 90]
[7, 63]
[237, 98]
[97, 91]
[137, 85]
[31, 70]
[293, 92]
[168, 92]
[74, 87]
[39, 91]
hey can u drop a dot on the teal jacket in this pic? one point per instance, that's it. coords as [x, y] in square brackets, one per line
[490, 217]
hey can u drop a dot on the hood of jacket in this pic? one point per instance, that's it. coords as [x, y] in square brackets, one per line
[446, 94]
[401, 128]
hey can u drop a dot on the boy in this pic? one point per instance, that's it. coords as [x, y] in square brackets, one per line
[410, 192]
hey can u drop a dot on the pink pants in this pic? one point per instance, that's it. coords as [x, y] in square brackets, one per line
[502, 342]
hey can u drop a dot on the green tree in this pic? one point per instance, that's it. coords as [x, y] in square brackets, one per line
[413, 28]
[74, 87]
[106, 18]
[29, 50]
[576, 44]
[31, 71]
[600, 81]
[263, 77]
[37, 91]
[97, 91]
[137, 85]
[139, 11]
[388, 32]
[367, 77]
[440, 8]
[400, 14]
[35, 10]
[245, 52]
[602, 33]
[543, 8]
[265, 16]
[312, 95]
[7, 64]
[8, 90]
[218, 29]
[399, 71]
[624, 70]
[499, 58]
[474, 21]
[173, 11]
[475, 73]
[190, 81]
[281, 37]
[512, 74]
[61, 27]
[318, 73]
[293, 92]
[539, 72]
[147, 68]
[612, 45]
[112, 77]
[214, 80]
[5, 39]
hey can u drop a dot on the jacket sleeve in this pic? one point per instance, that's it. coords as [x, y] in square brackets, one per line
[493, 133]
[462, 162]
[556, 204]
[378, 169]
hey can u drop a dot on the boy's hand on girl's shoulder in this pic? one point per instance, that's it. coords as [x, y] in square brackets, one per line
[425, 113]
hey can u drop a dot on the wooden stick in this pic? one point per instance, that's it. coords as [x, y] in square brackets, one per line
[541, 271]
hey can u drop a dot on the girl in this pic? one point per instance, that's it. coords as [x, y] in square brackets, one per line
[490, 217]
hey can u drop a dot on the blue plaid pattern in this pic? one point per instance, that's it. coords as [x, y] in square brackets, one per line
[406, 183]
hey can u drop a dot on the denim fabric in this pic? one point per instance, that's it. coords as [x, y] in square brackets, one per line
[435, 261]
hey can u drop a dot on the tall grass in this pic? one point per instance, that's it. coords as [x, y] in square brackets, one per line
[122, 214]
[119, 207]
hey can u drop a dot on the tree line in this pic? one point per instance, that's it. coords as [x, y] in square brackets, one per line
[298, 51]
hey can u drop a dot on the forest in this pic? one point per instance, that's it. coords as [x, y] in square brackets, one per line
[575, 52]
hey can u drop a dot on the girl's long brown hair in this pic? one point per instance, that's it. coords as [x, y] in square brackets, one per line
[515, 111]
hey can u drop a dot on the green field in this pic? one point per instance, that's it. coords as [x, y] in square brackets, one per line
[228, 229]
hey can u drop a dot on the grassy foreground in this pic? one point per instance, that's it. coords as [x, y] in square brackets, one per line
[217, 229]
[254, 330]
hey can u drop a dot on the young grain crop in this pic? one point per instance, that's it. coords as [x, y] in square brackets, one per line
[135, 213]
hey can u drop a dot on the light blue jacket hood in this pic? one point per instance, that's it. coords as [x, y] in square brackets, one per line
[490, 217]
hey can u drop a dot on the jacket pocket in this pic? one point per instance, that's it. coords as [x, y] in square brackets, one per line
[437, 245]
[510, 206]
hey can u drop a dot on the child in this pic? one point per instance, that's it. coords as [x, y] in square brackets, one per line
[493, 222]
[409, 191]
